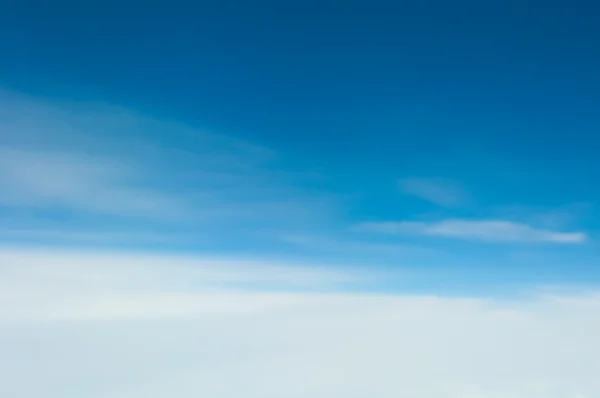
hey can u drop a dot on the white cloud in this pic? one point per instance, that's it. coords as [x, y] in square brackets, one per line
[128, 326]
[78, 182]
[89, 271]
[440, 191]
[479, 230]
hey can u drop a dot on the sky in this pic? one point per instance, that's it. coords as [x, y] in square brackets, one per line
[299, 198]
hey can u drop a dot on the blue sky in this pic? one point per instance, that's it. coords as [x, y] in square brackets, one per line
[299, 199]
[457, 139]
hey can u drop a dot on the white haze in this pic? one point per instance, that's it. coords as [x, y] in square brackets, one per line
[89, 325]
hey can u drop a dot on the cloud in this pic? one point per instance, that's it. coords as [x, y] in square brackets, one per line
[92, 325]
[442, 192]
[478, 230]
[545, 217]
[94, 236]
[91, 162]
[79, 182]
[81, 272]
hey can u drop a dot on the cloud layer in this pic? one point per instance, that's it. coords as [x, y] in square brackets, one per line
[478, 230]
[117, 326]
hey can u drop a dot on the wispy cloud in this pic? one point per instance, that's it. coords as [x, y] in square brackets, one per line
[545, 217]
[58, 284]
[116, 326]
[80, 182]
[478, 230]
[442, 192]
[68, 235]
[88, 160]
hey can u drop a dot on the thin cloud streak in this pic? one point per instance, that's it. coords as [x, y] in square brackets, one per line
[477, 230]
[442, 192]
